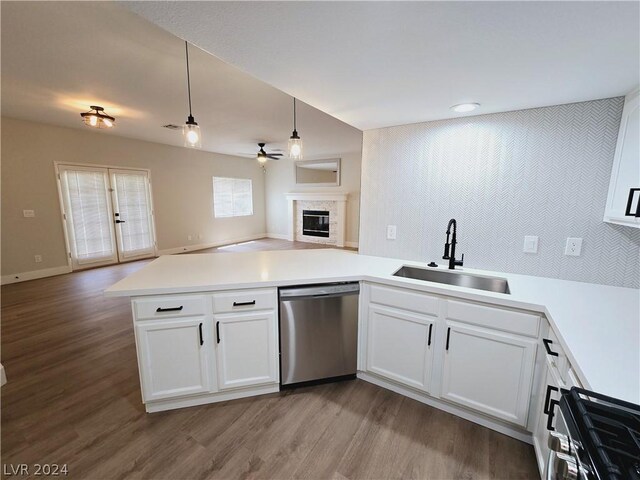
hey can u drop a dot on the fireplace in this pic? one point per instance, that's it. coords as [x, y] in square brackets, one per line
[315, 223]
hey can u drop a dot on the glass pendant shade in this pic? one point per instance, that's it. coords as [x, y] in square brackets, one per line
[295, 146]
[191, 134]
[96, 118]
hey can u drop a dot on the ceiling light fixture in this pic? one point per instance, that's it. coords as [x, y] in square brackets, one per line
[97, 119]
[190, 130]
[295, 142]
[464, 107]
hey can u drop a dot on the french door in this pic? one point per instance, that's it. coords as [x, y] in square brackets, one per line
[107, 214]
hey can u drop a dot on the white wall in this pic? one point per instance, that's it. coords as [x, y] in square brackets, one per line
[543, 171]
[181, 185]
[280, 180]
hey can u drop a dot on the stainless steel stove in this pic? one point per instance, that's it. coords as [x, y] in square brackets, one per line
[596, 438]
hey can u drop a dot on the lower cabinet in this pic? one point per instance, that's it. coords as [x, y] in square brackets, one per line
[400, 346]
[246, 349]
[488, 371]
[174, 357]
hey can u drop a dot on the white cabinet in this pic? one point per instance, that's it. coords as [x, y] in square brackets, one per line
[173, 356]
[488, 371]
[400, 346]
[246, 349]
[624, 187]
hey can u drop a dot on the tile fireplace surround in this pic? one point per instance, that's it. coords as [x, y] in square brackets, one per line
[334, 203]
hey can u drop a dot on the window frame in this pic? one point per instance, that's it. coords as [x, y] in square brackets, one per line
[234, 208]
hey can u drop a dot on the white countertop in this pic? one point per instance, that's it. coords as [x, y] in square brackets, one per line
[597, 325]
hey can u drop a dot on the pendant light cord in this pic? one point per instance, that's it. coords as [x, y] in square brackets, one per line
[294, 114]
[186, 47]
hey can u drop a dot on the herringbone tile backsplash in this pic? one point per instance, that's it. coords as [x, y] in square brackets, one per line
[543, 171]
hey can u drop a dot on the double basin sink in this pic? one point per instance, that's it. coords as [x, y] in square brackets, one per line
[491, 284]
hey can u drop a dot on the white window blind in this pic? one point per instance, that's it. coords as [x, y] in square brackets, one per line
[89, 207]
[232, 197]
[133, 207]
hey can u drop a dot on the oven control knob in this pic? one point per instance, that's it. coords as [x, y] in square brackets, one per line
[564, 467]
[559, 442]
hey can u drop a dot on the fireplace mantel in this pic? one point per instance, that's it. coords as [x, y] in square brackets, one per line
[341, 207]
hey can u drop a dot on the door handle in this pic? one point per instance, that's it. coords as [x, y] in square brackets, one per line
[551, 414]
[547, 397]
[218, 331]
[627, 212]
[547, 342]
[448, 334]
[200, 331]
[120, 221]
[430, 328]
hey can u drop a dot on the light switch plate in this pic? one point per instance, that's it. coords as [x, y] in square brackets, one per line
[530, 244]
[28, 213]
[573, 247]
[391, 232]
[37, 258]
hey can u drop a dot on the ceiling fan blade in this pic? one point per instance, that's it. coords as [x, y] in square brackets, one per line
[273, 157]
[276, 154]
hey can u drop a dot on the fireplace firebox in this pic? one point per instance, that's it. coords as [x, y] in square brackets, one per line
[315, 223]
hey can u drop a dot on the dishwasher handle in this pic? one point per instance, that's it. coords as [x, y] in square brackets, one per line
[326, 291]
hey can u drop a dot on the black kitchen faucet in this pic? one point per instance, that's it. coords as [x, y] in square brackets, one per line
[452, 258]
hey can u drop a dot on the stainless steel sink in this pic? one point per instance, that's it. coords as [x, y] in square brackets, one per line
[492, 284]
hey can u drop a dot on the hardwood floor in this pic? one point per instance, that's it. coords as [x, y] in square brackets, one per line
[73, 397]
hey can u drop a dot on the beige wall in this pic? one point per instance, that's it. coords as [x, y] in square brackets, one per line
[181, 185]
[280, 179]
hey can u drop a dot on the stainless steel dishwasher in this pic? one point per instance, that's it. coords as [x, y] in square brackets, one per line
[318, 332]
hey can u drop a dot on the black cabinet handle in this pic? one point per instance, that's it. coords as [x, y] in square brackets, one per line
[243, 304]
[627, 212]
[448, 334]
[218, 332]
[430, 328]
[548, 342]
[120, 221]
[170, 309]
[200, 330]
[547, 397]
[551, 414]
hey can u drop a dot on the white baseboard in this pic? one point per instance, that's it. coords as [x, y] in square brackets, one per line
[351, 244]
[24, 276]
[202, 246]
[279, 236]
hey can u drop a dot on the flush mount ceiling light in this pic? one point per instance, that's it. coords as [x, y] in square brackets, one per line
[464, 107]
[295, 142]
[190, 130]
[97, 118]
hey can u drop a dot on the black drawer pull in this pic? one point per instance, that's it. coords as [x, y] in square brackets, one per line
[547, 397]
[448, 334]
[244, 304]
[547, 342]
[218, 332]
[200, 331]
[430, 328]
[628, 212]
[170, 309]
[551, 414]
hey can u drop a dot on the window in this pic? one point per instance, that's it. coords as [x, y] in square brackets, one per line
[232, 197]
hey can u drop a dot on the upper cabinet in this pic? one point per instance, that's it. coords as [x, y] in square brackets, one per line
[623, 202]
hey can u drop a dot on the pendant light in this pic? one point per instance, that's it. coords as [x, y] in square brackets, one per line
[190, 130]
[295, 142]
[97, 118]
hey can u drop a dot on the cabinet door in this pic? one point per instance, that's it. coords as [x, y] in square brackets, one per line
[488, 371]
[625, 173]
[400, 346]
[174, 357]
[246, 349]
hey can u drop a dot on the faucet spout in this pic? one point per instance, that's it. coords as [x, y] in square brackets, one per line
[450, 246]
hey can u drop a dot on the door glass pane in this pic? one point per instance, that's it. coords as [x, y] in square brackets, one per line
[133, 208]
[88, 206]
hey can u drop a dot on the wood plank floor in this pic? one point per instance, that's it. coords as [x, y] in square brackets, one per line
[73, 397]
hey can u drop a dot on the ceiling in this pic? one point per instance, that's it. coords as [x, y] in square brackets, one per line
[377, 64]
[58, 58]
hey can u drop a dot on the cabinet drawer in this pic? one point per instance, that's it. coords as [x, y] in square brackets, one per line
[163, 306]
[496, 318]
[243, 300]
[405, 299]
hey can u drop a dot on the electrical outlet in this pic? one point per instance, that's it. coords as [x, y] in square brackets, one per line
[37, 258]
[574, 247]
[28, 213]
[391, 232]
[530, 244]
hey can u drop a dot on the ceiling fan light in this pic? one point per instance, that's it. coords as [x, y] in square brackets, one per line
[261, 158]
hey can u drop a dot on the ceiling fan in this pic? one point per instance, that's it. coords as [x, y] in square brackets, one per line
[262, 156]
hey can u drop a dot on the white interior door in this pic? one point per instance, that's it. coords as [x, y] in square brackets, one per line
[107, 214]
[88, 216]
[132, 213]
